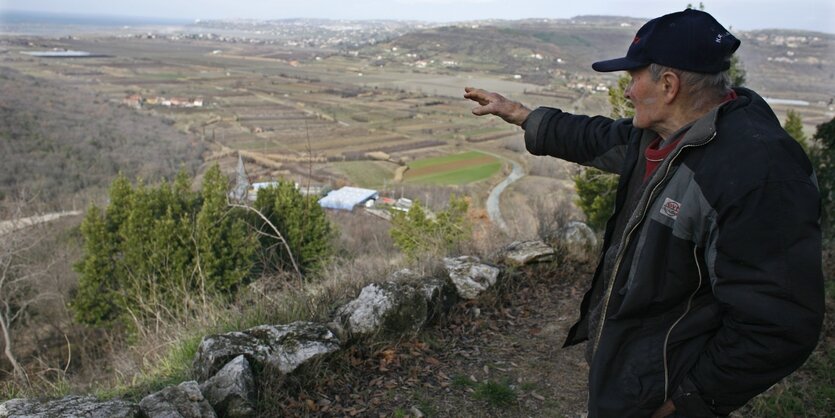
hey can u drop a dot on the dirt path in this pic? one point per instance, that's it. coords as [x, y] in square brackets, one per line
[14, 225]
[454, 369]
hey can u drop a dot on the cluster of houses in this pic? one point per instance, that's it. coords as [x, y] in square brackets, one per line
[136, 101]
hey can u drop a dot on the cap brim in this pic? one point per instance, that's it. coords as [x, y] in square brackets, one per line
[618, 64]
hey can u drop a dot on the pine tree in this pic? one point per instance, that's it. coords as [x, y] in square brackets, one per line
[300, 221]
[794, 127]
[94, 300]
[225, 247]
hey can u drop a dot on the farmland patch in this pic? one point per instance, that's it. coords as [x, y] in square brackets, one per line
[460, 168]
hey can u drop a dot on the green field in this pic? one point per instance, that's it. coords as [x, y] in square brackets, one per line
[455, 169]
[372, 174]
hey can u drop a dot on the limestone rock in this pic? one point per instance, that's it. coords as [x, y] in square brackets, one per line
[182, 401]
[470, 276]
[284, 347]
[387, 307]
[70, 406]
[521, 253]
[577, 240]
[231, 391]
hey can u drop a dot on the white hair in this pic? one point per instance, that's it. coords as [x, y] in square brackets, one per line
[703, 89]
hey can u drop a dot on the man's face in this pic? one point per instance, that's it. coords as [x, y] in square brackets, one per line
[646, 96]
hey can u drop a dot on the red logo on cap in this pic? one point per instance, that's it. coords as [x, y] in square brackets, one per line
[636, 40]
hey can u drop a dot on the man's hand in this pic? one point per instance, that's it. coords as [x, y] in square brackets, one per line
[665, 410]
[496, 104]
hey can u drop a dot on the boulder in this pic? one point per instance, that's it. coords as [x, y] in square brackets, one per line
[440, 295]
[470, 276]
[388, 307]
[577, 241]
[182, 401]
[522, 253]
[231, 391]
[284, 347]
[70, 406]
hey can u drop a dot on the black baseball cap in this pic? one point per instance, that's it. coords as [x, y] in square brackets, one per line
[691, 40]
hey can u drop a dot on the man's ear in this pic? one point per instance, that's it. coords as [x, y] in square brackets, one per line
[671, 86]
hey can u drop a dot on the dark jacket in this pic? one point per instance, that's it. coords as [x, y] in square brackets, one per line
[716, 291]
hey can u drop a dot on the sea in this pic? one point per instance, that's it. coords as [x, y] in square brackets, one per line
[59, 24]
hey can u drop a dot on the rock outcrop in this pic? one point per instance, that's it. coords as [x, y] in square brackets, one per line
[182, 401]
[283, 347]
[388, 307]
[70, 406]
[521, 253]
[231, 391]
[577, 241]
[470, 276]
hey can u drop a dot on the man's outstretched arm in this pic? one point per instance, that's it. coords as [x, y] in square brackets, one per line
[496, 104]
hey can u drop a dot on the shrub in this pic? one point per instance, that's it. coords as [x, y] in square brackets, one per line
[415, 233]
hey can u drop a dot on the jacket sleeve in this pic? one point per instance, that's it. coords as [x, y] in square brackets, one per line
[765, 269]
[596, 141]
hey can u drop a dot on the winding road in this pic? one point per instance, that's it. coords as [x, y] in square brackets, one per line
[494, 210]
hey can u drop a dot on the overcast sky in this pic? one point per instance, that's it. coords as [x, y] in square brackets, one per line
[816, 15]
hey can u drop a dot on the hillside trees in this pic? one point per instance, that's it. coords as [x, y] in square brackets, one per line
[160, 252]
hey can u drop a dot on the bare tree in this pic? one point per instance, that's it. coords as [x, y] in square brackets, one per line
[19, 274]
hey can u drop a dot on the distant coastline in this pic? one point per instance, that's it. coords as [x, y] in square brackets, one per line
[39, 18]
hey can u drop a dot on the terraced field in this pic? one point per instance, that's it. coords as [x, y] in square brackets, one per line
[453, 169]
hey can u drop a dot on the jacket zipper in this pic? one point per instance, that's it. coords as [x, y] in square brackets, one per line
[686, 311]
[626, 238]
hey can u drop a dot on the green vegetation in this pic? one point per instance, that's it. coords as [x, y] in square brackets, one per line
[302, 223]
[460, 168]
[496, 394]
[415, 234]
[160, 250]
[451, 158]
[462, 176]
[794, 127]
[596, 192]
[367, 173]
[164, 252]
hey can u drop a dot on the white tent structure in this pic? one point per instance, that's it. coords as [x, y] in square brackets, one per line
[347, 197]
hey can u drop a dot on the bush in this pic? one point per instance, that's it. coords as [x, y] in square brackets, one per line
[596, 192]
[416, 234]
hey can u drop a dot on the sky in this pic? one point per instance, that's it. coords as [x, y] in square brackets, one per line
[817, 15]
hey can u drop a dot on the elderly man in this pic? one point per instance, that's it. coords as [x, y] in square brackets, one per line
[709, 289]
